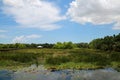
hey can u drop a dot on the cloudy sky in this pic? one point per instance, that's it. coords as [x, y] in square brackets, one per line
[50, 21]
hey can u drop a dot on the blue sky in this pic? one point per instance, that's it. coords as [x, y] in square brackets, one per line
[51, 21]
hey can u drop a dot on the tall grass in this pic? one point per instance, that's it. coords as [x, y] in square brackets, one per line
[18, 57]
[57, 60]
[78, 58]
[86, 58]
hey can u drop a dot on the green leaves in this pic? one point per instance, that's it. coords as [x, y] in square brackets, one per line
[64, 45]
[108, 43]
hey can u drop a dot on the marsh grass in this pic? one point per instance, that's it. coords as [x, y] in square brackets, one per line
[18, 57]
[60, 58]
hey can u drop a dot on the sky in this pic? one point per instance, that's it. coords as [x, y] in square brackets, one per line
[51, 21]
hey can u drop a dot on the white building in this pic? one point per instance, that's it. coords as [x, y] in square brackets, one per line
[39, 47]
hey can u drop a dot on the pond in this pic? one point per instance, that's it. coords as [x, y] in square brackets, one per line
[40, 73]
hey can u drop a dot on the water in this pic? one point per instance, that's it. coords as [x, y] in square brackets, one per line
[6, 75]
[40, 73]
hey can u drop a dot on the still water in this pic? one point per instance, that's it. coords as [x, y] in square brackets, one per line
[33, 73]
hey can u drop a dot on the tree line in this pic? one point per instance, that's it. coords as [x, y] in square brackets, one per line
[108, 43]
[22, 46]
[58, 45]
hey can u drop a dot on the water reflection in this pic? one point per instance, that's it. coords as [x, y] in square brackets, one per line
[6, 75]
[33, 73]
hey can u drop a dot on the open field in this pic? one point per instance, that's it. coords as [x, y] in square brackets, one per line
[59, 58]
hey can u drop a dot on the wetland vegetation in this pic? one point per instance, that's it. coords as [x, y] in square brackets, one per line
[99, 53]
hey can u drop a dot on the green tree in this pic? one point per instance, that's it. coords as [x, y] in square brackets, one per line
[69, 45]
[82, 45]
[64, 45]
[19, 45]
[96, 43]
[108, 43]
[58, 45]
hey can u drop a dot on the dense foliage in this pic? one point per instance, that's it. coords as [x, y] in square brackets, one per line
[64, 45]
[108, 43]
[58, 45]
[82, 45]
[23, 46]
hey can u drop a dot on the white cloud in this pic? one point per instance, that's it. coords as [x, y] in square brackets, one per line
[2, 36]
[33, 13]
[33, 36]
[24, 39]
[2, 31]
[95, 11]
[19, 39]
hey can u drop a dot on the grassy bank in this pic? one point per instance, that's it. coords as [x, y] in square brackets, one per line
[59, 58]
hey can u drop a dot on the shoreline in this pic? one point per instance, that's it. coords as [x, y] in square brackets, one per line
[51, 69]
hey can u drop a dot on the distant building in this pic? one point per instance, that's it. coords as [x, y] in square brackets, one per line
[39, 46]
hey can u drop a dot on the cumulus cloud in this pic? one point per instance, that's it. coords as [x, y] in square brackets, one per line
[33, 13]
[24, 39]
[1, 31]
[95, 11]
